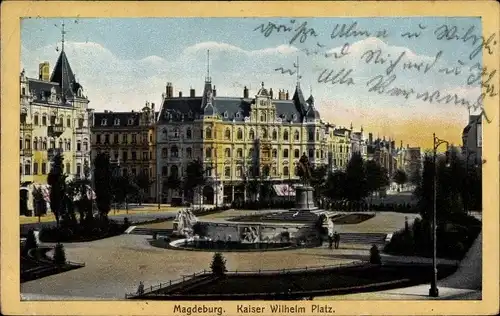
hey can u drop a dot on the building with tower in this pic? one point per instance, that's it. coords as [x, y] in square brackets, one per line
[261, 135]
[54, 119]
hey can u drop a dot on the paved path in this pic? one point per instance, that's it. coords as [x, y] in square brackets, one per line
[464, 284]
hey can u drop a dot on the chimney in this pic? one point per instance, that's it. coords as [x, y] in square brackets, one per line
[401, 144]
[169, 90]
[245, 92]
[271, 92]
[214, 92]
[180, 94]
[393, 145]
[407, 145]
[192, 93]
[370, 138]
[44, 71]
[287, 95]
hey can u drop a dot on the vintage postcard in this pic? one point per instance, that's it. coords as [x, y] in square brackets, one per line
[237, 158]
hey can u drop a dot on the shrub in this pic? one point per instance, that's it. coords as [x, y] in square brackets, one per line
[375, 255]
[30, 242]
[218, 265]
[59, 254]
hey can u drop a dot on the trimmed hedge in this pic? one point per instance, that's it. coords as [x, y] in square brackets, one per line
[80, 233]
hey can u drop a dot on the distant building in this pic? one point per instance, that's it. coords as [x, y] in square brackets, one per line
[472, 140]
[54, 119]
[383, 152]
[129, 140]
[359, 143]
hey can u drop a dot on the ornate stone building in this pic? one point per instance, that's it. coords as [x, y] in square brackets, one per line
[129, 139]
[239, 137]
[54, 119]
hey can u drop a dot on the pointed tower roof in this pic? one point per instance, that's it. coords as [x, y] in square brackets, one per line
[63, 75]
[312, 113]
[300, 101]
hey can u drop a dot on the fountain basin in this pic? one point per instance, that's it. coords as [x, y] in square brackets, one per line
[228, 246]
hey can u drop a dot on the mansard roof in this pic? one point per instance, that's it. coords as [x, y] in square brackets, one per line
[122, 117]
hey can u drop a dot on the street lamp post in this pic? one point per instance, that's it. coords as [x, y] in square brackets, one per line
[433, 291]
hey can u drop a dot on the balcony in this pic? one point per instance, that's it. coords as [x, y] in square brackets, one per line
[82, 130]
[26, 127]
[52, 152]
[55, 130]
[26, 152]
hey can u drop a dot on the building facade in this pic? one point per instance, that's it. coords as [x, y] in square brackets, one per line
[129, 140]
[472, 140]
[239, 137]
[54, 118]
[383, 152]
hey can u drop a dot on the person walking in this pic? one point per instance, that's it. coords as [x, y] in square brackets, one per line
[330, 241]
[336, 238]
[140, 289]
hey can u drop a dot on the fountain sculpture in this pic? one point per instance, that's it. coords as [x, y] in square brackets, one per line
[183, 223]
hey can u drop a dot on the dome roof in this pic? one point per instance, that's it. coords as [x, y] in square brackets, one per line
[263, 91]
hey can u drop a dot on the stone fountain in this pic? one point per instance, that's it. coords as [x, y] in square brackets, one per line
[183, 223]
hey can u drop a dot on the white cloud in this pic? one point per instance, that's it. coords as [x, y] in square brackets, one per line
[120, 84]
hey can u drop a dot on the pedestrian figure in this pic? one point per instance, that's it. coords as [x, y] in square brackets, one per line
[140, 289]
[336, 239]
[330, 241]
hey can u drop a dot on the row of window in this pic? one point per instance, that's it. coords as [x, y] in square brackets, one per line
[43, 168]
[209, 134]
[53, 120]
[116, 122]
[174, 153]
[174, 171]
[134, 156]
[43, 144]
[116, 138]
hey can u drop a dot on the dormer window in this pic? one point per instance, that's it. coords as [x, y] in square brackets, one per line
[104, 122]
[130, 121]
[238, 115]
[117, 121]
[226, 115]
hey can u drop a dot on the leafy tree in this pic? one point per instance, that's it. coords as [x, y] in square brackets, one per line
[400, 177]
[218, 265]
[376, 177]
[124, 188]
[173, 183]
[57, 181]
[79, 188]
[356, 184]
[143, 182]
[318, 179]
[59, 254]
[102, 183]
[335, 185]
[424, 191]
[195, 178]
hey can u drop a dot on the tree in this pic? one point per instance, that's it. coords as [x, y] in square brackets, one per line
[376, 177]
[173, 182]
[424, 190]
[79, 189]
[218, 265]
[334, 186]
[57, 181]
[318, 179]
[400, 177]
[102, 183]
[59, 254]
[143, 182]
[356, 184]
[195, 178]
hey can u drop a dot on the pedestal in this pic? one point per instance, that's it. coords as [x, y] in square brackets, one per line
[304, 198]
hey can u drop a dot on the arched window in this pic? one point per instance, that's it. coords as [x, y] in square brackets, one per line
[311, 136]
[61, 144]
[239, 171]
[85, 146]
[227, 172]
[227, 134]
[35, 168]
[174, 151]
[311, 153]
[297, 135]
[285, 153]
[285, 135]
[78, 146]
[188, 133]
[263, 117]
[53, 143]
[296, 153]
[208, 153]
[189, 152]
[44, 144]
[285, 171]
[35, 120]
[176, 133]
[240, 134]
[250, 153]
[227, 153]
[27, 143]
[275, 135]
[68, 121]
[264, 132]
[44, 120]
[208, 133]
[317, 135]
[239, 153]
[164, 153]
[273, 172]
[35, 143]
[174, 171]
[275, 153]
[251, 134]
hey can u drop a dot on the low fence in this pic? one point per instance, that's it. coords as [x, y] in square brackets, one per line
[189, 277]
